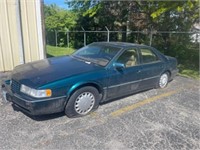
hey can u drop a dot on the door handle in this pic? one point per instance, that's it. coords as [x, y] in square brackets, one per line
[138, 71]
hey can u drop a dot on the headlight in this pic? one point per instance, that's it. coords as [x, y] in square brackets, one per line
[35, 93]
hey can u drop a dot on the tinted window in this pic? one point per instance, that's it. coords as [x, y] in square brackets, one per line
[148, 56]
[128, 58]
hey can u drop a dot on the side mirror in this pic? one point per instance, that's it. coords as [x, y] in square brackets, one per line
[119, 66]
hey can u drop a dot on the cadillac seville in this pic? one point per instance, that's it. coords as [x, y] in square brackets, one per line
[96, 73]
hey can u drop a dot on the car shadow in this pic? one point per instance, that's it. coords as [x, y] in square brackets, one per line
[40, 117]
[121, 97]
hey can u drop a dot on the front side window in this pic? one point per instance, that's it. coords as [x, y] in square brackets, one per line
[148, 56]
[128, 58]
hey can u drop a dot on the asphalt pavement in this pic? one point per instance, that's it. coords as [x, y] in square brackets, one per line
[157, 119]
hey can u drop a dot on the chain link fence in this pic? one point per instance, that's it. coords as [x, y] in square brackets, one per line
[182, 45]
[82, 38]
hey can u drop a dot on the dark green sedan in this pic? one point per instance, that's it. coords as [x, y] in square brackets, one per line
[94, 74]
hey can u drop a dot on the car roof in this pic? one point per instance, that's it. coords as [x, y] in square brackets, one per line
[120, 44]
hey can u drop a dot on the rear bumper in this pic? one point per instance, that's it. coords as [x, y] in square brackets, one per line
[36, 107]
[174, 73]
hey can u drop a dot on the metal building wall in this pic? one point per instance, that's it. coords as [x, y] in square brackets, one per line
[21, 36]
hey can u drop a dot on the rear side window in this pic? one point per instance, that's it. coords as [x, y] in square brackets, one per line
[148, 56]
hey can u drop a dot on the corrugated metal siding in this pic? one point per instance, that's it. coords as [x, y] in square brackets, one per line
[29, 30]
[19, 31]
[1, 57]
[9, 34]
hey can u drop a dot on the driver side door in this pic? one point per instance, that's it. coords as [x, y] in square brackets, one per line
[124, 80]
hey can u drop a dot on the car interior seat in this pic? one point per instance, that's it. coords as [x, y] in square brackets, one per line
[132, 60]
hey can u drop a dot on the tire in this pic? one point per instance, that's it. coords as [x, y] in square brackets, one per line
[82, 102]
[163, 80]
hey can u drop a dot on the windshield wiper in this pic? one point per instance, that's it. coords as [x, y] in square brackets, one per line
[86, 59]
[91, 60]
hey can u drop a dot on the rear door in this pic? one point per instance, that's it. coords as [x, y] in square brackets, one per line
[152, 67]
[126, 80]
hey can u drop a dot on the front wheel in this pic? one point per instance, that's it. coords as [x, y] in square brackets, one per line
[82, 102]
[163, 81]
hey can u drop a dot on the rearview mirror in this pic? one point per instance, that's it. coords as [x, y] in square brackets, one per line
[119, 66]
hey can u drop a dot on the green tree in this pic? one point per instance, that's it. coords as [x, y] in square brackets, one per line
[179, 17]
[57, 19]
[146, 16]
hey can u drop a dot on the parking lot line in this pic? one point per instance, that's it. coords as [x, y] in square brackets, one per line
[119, 112]
[102, 120]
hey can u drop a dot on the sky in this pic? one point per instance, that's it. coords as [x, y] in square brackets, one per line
[60, 3]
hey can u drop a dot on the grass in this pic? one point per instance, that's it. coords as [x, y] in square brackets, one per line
[53, 51]
[184, 70]
[188, 71]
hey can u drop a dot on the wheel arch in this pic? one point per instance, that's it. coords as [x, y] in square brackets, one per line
[169, 73]
[84, 84]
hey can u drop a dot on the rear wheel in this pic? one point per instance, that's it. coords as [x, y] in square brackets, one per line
[163, 81]
[82, 102]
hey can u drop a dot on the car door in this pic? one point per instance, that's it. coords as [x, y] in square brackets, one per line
[124, 80]
[152, 67]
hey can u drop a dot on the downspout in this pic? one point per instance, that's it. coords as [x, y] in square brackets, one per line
[40, 25]
[43, 27]
[20, 34]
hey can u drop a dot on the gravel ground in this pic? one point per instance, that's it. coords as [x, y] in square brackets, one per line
[154, 119]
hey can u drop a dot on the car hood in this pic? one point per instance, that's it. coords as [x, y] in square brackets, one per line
[38, 73]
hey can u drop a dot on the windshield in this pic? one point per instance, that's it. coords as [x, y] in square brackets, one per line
[97, 53]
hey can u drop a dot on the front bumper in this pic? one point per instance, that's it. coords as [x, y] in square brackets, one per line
[35, 106]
